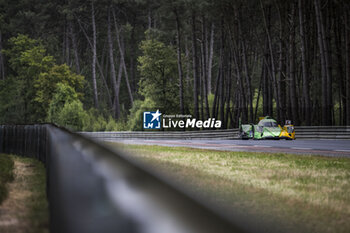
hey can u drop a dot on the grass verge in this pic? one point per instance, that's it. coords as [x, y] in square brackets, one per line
[283, 192]
[38, 214]
[6, 174]
[25, 209]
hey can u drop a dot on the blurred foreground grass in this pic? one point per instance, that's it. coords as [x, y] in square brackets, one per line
[286, 192]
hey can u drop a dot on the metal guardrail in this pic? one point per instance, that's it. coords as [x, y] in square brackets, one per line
[322, 132]
[92, 188]
[301, 132]
[204, 134]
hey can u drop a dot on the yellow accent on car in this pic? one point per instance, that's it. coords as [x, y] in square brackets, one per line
[288, 132]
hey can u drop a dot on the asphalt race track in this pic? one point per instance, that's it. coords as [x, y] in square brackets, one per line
[333, 148]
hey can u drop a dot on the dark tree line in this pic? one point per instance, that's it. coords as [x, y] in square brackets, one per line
[286, 59]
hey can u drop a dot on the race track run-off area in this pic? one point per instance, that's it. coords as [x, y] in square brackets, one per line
[333, 148]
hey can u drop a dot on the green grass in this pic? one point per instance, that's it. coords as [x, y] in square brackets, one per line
[299, 193]
[26, 202]
[6, 174]
[38, 215]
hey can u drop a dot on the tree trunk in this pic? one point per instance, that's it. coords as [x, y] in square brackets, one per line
[214, 112]
[281, 75]
[245, 65]
[67, 46]
[228, 91]
[241, 89]
[179, 62]
[347, 49]
[320, 29]
[94, 54]
[292, 78]
[63, 44]
[222, 94]
[122, 60]
[120, 74]
[248, 82]
[328, 50]
[133, 56]
[273, 73]
[97, 62]
[75, 47]
[187, 56]
[265, 85]
[259, 91]
[104, 81]
[222, 80]
[340, 70]
[116, 106]
[149, 17]
[305, 69]
[2, 67]
[201, 89]
[195, 66]
[204, 73]
[211, 54]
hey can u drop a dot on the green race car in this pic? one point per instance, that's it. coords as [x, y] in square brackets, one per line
[267, 128]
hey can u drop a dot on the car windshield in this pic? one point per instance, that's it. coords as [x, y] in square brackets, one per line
[270, 124]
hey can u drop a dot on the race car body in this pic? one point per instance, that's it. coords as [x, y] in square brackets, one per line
[267, 128]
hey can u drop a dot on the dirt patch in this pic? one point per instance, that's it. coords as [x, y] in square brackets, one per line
[14, 210]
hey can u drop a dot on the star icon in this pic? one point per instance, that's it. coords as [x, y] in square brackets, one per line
[156, 115]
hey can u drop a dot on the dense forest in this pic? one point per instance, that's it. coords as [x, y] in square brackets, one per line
[97, 65]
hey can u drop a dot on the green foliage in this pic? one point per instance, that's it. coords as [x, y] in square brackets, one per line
[211, 98]
[67, 110]
[47, 82]
[23, 52]
[32, 84]
[89, 120]
[72, 115]
[121, 125]
[99, 124]
[158, 69]
[64, 93]
[94, 121]
[11, 101]
[111, 125]
[52, 28]
[27, 60]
